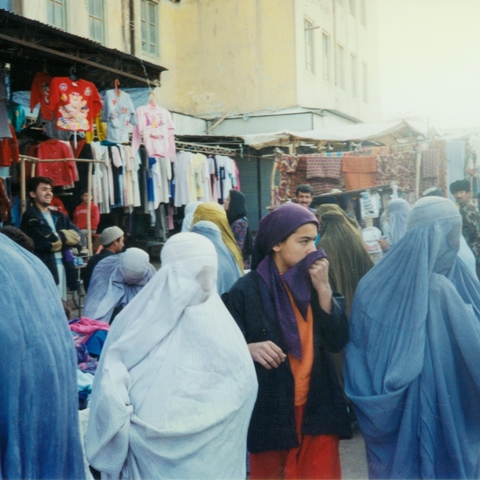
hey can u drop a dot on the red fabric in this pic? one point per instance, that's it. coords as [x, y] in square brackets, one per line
[58, 205]
[74, 103]
[80, 216]
[62, 173]
[317, 457]
[9, 152]
[39, 94]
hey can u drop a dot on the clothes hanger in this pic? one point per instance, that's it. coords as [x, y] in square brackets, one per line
[117, 90]
[151, 99]
[73, 73]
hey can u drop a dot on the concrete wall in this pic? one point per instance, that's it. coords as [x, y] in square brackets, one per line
[343, 26]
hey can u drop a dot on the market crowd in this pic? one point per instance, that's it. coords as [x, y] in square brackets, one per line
[276, 344]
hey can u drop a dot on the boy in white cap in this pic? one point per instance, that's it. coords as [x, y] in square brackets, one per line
[112, 241]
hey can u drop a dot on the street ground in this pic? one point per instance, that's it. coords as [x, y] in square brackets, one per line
[353, 458]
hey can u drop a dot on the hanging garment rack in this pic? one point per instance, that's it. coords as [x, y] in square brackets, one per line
[197, 148]
[34, 161]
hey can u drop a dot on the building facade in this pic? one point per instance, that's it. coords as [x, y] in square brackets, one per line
[244, 66]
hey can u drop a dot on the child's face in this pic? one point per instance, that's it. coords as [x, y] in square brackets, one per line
[84, 197]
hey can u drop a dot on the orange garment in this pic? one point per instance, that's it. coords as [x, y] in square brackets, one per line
[317, 457]
[302, 369]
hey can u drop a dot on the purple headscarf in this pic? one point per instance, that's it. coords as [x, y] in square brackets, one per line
[274, 228]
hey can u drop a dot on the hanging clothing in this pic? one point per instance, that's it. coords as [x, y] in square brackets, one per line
[228, 271]
[39, 392]
[62, 173]
[155, 127]
[74, 103]
[324, 173]
[17, 117]
[119, 113]
[398, 167]
[9, 152]
[115, 281]
[40, 94]
[183, 168]
[5, 131]
[213, 212]
[415, 387]
[163, 406]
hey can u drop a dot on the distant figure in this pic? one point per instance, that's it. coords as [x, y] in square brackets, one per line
[80, 217]
[411, 366]
[213, 212]
[175, 386]
[470, 217]
[189, 213]
[237, 218]
[39, 429]
[112, 241]
[115, 282]
[304, 196]
[228, 271]
[397, 212]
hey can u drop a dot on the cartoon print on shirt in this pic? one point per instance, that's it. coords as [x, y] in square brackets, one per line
[73, 115]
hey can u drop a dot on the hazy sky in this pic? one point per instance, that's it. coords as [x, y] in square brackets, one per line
[430, 60]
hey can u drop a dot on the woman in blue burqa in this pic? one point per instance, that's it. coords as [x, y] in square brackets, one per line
[39, 430]
[412, 364]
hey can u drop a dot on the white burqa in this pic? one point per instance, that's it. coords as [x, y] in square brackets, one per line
[176, 385]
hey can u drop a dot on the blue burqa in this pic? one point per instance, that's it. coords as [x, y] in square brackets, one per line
[39, 430]
[412, 364]
[228, 271]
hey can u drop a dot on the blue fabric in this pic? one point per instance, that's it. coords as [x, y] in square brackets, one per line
[39, 431]
[412, 362]
[228, 271]
[397, 212]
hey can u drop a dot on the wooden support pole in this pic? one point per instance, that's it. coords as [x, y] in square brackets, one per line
[23, 192]
[89, 209]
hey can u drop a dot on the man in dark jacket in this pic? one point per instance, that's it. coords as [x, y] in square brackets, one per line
[51, 231]
[112, 241]
[291, 320]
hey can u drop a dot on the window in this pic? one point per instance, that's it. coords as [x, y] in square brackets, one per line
[95, 20]
[340, 70]
[365, 83]
[309, 51]
[56, 13]
[326, 57]
[363, 13]
[149, 16]
[352, 7]
[353, 71]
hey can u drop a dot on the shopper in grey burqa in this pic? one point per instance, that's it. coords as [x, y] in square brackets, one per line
[39, 430]
[412, 361]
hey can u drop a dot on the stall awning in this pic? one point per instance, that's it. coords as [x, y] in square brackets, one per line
[385, 133]
[30, 46]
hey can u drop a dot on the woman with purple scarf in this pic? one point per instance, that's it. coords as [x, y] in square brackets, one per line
[291, 320]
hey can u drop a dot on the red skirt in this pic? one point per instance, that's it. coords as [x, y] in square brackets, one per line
[316, 457]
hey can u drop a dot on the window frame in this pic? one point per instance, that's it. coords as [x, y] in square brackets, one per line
[309, 45]
[354, 75]
[94, 20]
[326, 57]
[340, 66]
[146, 27]
[51, 13]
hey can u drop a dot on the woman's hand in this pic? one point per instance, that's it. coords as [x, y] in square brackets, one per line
[267, 354]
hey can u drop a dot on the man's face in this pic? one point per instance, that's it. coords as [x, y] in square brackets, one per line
[461, 196]
[119, 244]
[43, 195]
[304, 199]
[295, 248]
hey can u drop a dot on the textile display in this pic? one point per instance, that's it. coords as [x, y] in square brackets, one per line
[40, 94]
[324, 173]
[39, 415]
[398, 167]
[359, 172]
[5, 131]
[293, 172]
[430, 169]
[9, 152]
[415, 388]
[175, 387]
